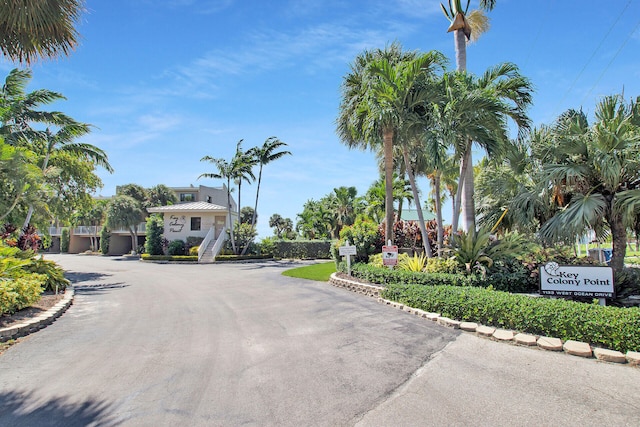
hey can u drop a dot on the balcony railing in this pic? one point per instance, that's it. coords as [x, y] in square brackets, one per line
[94, 230]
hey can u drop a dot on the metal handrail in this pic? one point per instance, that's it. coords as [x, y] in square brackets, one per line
[203, 246]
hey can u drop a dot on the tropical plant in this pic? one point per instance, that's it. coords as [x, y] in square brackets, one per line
[416, 263]
[265, 155]
[373, 108]
[160, 195]
[282, 227]
[33, 29]
[594, 174]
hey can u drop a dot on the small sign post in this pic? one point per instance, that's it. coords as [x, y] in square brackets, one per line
[389, 255]
[347, 251]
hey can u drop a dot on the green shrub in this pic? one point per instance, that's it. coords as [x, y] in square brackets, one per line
[180, 258]
[153, 241]
[442, 265]
[240, 257]
[64, 240]
[193, 241]
[302, 249]
[176, 247]
[20, 292]
[363, 234]
[53, 274]
[609, 327]
[267, 246]
[385, 276]
[105, 235]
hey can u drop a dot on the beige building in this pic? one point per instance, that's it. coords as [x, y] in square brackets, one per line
[200, 212]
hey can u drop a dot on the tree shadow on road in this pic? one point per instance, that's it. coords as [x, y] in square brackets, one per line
[78, 277]
[25, 409]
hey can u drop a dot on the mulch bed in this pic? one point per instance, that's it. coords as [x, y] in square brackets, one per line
[48, 300]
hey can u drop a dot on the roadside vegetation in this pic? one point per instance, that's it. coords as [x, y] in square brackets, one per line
[319, 272]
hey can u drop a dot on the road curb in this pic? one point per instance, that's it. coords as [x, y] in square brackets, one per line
[512, 337]
[39, 322]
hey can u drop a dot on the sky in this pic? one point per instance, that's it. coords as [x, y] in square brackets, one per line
[167, 82]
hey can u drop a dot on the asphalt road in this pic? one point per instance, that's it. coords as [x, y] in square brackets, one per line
[226, 345]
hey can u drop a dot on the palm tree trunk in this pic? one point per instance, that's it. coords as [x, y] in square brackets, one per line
[436, 185]
[468, 205]
[458, 197]
[255, 209]
[233, 242]
[460, 43]
[619, 240]
[387, 138]
[414, 188]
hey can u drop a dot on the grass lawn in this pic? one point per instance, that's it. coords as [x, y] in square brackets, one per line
[319, 272]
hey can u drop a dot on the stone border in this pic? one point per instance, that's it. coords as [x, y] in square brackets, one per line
[576, 348]
[41, 321]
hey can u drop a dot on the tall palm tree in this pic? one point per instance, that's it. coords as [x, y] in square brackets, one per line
[377, 96]
[225, 171]
[265, 155]
[466, 27]
[30, 29]
[242, 165]
[476, 109]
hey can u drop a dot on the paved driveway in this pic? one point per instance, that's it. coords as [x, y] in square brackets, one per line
[165, 344]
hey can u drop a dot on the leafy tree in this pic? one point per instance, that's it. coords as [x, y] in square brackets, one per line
[32, 29]
[160, 195]
[125, 211]
[135, 191]
[20, 181]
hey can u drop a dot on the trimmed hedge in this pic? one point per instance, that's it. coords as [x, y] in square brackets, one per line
[385, 276]
[609, 327]
[20, 292]
[182, 258]
[241, 257]
[302, 249]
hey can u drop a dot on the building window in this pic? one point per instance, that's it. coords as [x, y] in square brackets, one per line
[187, 197]
[195, 223]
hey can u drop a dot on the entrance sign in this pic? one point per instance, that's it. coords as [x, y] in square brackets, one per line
[390, 255]
[577, 281]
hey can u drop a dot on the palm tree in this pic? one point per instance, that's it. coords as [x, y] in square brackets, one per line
[477, 109]
[264, 155]
[62, 139]
[466, 27]
[595, 173]
[225, 171]
[242, 167]
[376, 97]
[38, 28]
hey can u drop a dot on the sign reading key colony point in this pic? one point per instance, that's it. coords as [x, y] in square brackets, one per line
[577, 281]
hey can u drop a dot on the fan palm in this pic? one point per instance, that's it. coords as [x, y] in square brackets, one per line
[38, 28]
[596, 173]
